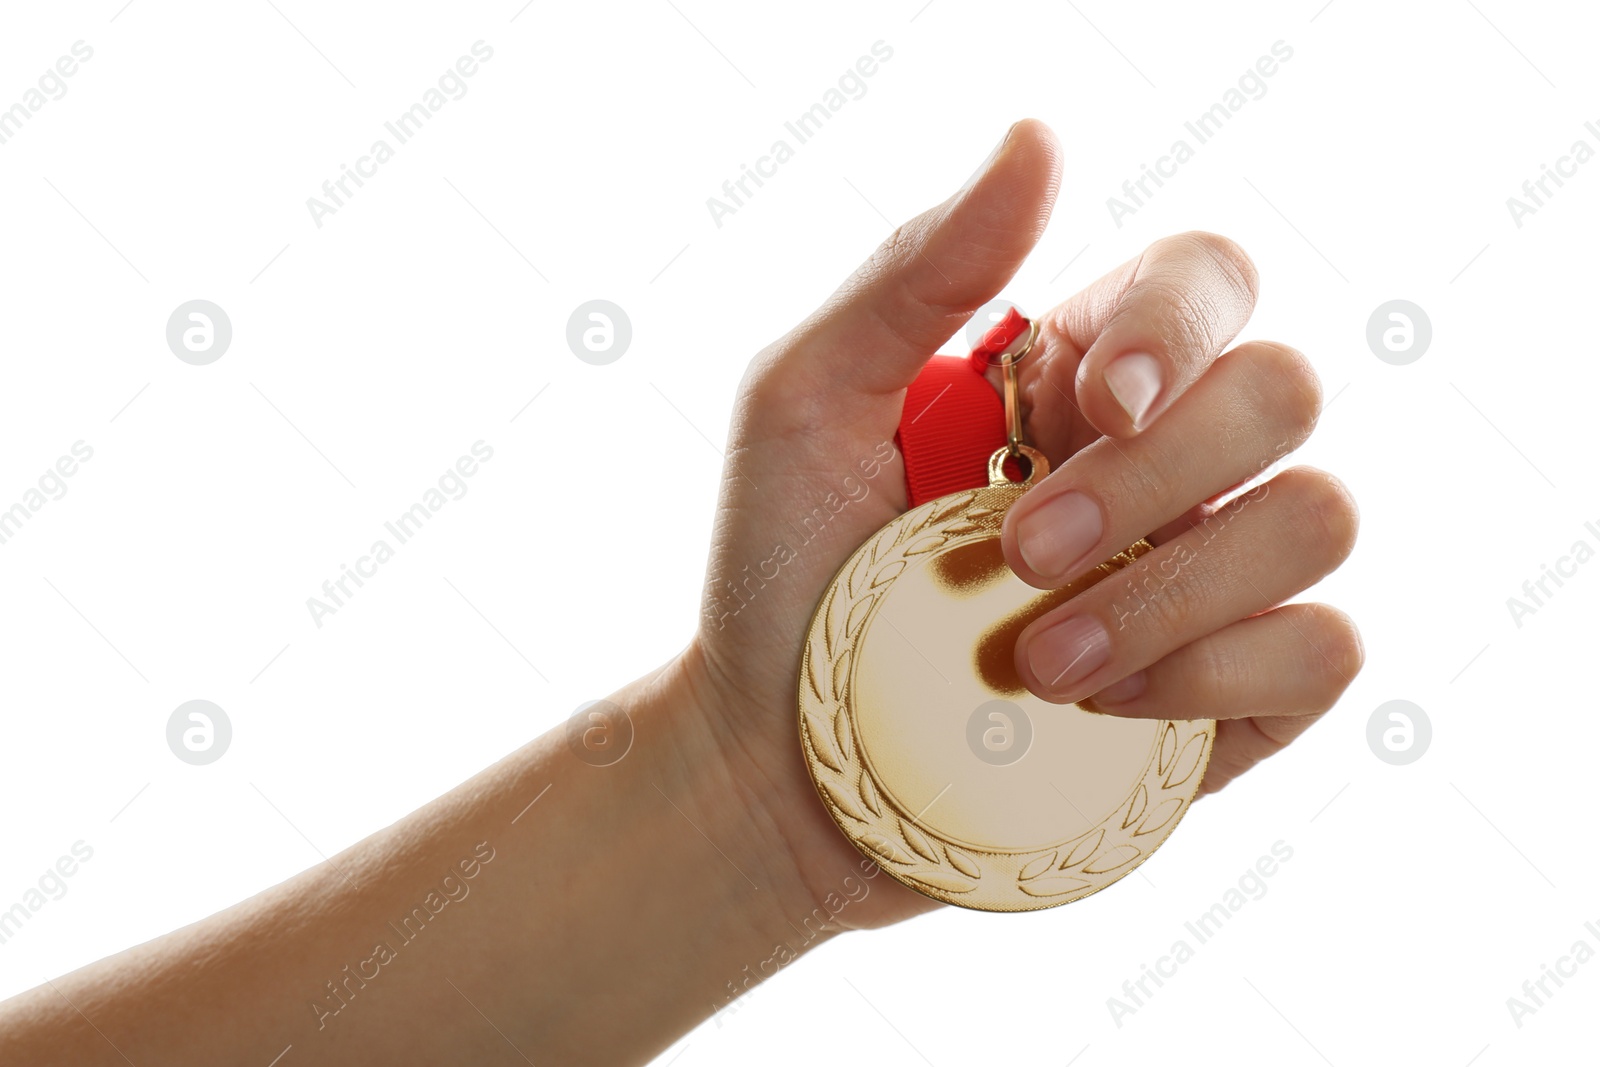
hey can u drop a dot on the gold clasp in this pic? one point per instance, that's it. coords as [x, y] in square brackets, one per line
[1008, 366]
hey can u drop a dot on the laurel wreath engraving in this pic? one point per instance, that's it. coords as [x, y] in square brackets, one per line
[911, 852]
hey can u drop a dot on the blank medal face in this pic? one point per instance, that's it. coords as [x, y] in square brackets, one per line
[950, 733]
[935, 760]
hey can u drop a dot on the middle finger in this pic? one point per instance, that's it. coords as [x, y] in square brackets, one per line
[1259, 402]
[1258, 550]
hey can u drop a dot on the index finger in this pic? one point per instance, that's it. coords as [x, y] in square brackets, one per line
[1149, 329]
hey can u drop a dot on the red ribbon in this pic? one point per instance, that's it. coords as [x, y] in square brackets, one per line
[953, 419]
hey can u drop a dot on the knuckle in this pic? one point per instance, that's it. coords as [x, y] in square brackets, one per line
[1195, 284]
[1291, 391]
[1220, 674]
[1155, 478]
[1326, 513]
[895, 289]
[1184, 315]
[892, 252]
[1228, 258]
[765, 376]
[1341, 653]
[1160, 599]
[776, 396]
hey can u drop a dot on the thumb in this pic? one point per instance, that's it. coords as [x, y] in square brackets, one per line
[876, 331]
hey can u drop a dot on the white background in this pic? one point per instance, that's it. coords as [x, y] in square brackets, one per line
[425, 314]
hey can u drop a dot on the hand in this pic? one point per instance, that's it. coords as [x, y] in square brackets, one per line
[1144, 418]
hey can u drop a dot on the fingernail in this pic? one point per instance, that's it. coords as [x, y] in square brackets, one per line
[1068, 652]
[1120, 692]
[1059, 533]
[983, 168]
[1135, 380]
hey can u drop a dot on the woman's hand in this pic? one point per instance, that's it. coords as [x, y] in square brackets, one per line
[1146, 417]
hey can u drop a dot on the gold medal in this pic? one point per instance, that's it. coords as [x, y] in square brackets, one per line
[928, 751]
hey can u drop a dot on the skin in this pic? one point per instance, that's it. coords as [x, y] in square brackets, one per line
[670, 881]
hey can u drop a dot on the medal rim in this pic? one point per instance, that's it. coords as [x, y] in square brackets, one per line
[966, 876]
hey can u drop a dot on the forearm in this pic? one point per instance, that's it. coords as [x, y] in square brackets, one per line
[594, 924]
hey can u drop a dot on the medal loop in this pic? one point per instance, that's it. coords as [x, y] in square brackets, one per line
[1030, 460]
[1008, 366]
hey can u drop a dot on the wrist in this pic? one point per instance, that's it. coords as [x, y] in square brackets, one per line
[757, 794]
[724, 780]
